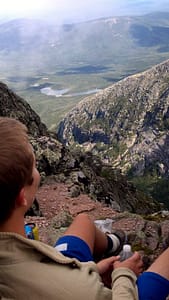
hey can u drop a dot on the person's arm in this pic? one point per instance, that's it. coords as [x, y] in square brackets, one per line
[105, 268]
[121, 276]
[124, 285]
[124, 277]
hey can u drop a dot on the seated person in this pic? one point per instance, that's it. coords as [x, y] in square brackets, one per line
[30, 269]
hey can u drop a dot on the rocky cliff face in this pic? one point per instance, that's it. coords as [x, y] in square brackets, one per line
[126, 124]
[13, 106]
[84, 173]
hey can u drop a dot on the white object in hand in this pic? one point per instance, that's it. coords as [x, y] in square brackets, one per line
[126, 252]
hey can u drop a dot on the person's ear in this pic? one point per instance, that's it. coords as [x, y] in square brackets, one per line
[20, 199]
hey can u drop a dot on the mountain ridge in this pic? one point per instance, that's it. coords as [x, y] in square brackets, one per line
[126, 124]
[84, 173]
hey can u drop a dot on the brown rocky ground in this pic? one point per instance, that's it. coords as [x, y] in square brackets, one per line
[55, 201]
[146, 234]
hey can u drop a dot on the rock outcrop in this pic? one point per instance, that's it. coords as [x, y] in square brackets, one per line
[16, 107]
[84, 172]
[126, 124]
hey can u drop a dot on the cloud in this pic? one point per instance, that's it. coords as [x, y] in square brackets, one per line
[88, 9]
[78, 10]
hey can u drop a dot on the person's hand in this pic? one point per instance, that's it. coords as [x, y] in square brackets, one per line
[105, 268]
[133, 263]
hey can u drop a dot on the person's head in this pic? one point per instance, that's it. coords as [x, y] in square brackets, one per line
[19, 178]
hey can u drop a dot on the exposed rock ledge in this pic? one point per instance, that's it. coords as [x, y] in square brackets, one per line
[148, 235]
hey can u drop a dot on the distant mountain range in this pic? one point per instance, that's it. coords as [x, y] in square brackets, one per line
[127, 125]
[77, 57]
[102, 41]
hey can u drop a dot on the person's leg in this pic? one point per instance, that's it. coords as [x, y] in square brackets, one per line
[160, 265]
[154, 282]
[83, 228]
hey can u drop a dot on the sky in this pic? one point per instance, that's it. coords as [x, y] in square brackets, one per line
[67, 11]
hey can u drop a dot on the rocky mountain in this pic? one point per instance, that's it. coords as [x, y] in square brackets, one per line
[126, 124]
[14, 106]
[83, 172]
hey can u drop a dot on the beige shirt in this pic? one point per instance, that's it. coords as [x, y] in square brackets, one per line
[32, 270]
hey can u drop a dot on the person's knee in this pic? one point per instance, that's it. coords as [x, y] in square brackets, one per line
[83, 216]
[84, 220]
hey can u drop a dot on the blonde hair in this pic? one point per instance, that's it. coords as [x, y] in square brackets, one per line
[16, 163]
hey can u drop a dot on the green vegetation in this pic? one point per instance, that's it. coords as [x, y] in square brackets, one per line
[140, 247]
[154, 186]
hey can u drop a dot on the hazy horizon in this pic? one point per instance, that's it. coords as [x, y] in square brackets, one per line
[78, 11]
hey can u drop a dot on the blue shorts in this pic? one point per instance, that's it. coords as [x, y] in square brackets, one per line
[74, 247]
[152, 286]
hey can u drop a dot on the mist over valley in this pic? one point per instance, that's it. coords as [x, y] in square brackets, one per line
[54, 67]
